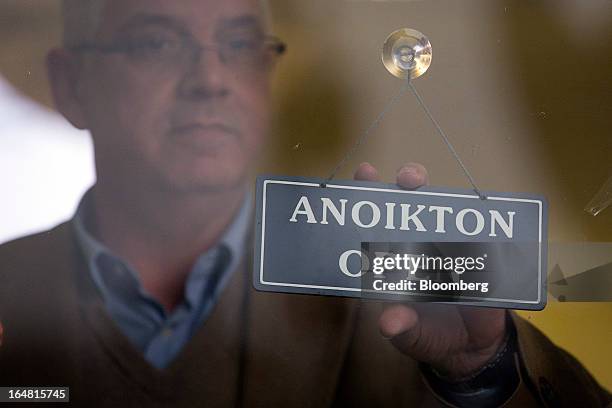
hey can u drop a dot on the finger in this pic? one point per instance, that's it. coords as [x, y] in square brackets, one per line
[425, 332]
[396, 320]
[412, 175]
[366, 172]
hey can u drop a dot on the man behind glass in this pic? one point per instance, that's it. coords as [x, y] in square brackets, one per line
[144, 298]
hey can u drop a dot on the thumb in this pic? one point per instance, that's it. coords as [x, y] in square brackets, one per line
[399, 320]
[401, 325]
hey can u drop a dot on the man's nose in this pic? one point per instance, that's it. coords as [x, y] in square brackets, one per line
[205, 77]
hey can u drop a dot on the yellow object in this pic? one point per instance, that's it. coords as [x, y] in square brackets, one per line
[583, 329]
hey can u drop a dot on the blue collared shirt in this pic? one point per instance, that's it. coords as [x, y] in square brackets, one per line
[160, 335]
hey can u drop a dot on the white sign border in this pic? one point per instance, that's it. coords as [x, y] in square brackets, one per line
[297, 285]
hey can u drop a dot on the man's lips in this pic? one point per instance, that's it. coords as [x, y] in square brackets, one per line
[194, 129]
[203, 138]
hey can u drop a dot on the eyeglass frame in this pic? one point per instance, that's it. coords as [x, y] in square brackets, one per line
[196, 48]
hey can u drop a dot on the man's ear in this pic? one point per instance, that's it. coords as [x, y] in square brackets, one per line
[63, 71]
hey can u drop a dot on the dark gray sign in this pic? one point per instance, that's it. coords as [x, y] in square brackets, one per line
[364, 239]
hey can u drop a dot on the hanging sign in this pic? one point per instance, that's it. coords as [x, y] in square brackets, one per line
[375, 240]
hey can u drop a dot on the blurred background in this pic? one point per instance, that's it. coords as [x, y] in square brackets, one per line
[523, 89]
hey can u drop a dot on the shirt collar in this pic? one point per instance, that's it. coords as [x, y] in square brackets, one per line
[233, 239]
[89, 245]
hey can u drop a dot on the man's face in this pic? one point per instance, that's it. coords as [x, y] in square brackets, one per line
[186, 120]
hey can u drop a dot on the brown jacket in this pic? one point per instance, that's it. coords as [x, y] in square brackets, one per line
[255, 349]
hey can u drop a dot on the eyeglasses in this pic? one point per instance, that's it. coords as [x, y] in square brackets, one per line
[173, 50]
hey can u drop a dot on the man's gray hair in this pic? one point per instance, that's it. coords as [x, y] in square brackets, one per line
[82, 19]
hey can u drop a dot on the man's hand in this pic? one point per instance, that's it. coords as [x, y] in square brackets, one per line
[455, 340]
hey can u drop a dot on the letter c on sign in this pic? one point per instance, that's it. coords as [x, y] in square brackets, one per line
[343, 263]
